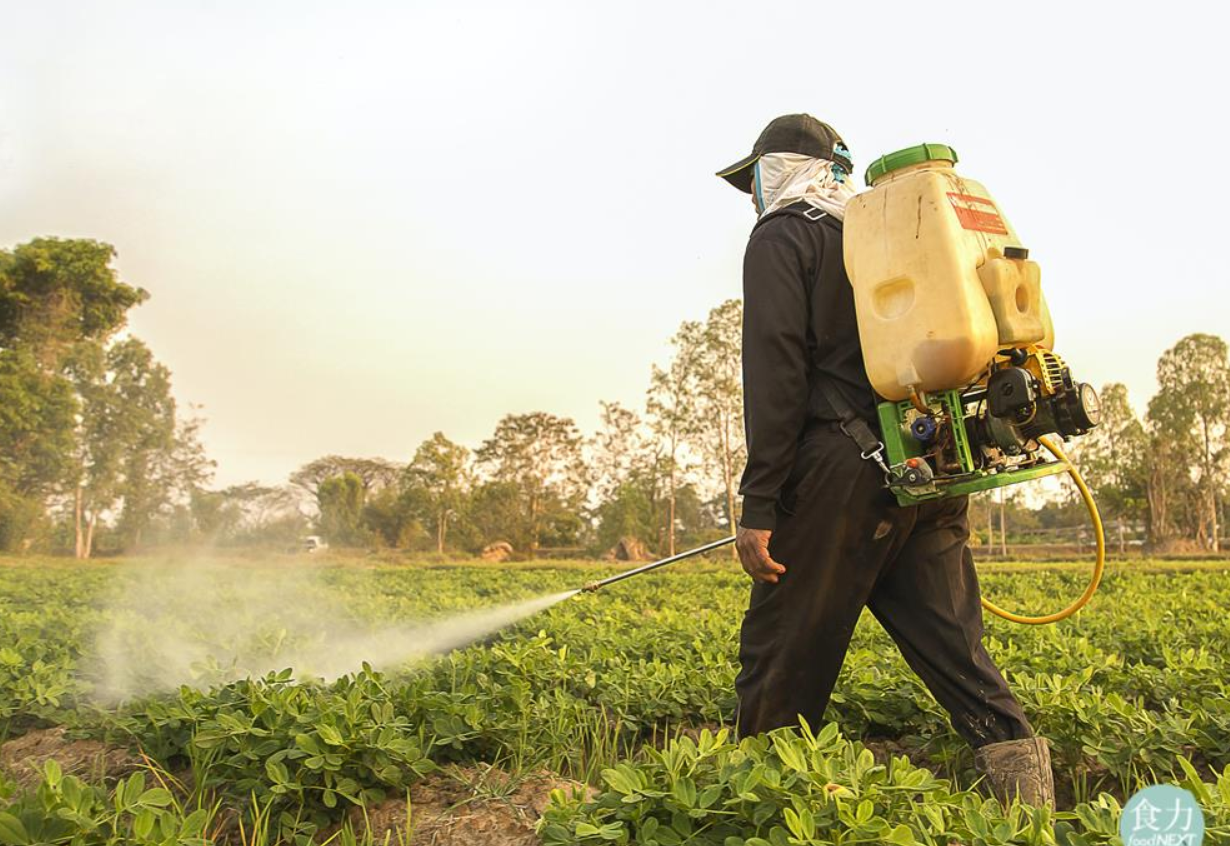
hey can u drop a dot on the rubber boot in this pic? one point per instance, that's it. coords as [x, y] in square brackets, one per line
[1018, 769]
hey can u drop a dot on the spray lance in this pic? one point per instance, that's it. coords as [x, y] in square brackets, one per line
[957, 339]
[1079, 603]
[627, 574]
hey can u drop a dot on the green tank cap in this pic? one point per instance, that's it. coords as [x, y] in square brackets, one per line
[909, 156]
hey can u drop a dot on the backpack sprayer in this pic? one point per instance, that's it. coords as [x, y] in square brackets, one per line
[956, 338]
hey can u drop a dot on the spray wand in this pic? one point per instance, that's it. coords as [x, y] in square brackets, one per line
[1099, 563]
[627, 574]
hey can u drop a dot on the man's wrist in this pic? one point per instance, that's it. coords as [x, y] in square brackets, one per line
[759, 512]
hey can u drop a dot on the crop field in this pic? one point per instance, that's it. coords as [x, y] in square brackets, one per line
[603, 719]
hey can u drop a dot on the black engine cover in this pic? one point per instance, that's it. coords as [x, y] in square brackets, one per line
[1010, 391]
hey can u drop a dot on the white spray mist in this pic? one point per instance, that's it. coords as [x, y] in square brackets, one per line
[201, 622]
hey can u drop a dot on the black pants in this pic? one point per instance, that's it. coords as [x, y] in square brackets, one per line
[846, 544]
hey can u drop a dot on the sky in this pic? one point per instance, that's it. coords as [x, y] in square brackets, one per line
[361, 223]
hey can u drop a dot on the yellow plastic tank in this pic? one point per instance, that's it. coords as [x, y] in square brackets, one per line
[941, 282]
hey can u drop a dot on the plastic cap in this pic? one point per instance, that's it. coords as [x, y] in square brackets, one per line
[909, 156]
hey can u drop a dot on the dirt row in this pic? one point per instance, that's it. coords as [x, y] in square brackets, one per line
[457, 806]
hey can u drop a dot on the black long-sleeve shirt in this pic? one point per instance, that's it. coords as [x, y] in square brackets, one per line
[799, 326]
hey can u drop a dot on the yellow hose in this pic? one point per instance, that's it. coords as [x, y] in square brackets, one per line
[1098, 565]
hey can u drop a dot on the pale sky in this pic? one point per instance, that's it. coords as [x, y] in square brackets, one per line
[365, 222]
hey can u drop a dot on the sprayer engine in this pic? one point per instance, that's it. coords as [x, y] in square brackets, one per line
[1030, 395]
[988, 434]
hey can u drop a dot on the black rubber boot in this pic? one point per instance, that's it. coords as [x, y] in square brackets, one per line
[1018, 769]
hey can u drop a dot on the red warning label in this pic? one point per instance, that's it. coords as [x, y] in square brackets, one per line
[977, 213]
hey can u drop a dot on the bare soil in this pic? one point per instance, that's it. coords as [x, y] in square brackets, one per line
[23, 758]
[458, 806]
[464, 806]
[885, 748]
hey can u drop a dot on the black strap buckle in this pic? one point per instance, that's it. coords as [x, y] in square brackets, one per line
[855, 428]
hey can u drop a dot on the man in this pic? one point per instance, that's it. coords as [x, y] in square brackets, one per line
[820, 534]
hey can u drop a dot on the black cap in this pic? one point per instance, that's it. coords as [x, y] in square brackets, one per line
[801, 134]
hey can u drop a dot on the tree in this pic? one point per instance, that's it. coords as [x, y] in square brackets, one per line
[186, 464]
[628, 511]
[625, 473]
[36, 425]
[341, 500]
[718, 411]
[1170, 487]
[248, 513]
[392, 519]
[56, 296]
[37, 412]
[540, 455]
[1114, 456]
[148, 482]
[98, 444]
[617, 450]
[127, 449]
[494, 513]
[56, 293]
[672, 394]
[373, 473]
[437, 481]
[694, 516]
[214, 514]
[1191, 414]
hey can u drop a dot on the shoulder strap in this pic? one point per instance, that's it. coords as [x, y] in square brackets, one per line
[855, 427]
[801, 209]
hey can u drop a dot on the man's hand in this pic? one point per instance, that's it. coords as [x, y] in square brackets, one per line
[753, 546]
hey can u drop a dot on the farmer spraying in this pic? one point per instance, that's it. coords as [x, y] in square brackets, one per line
[820, 534]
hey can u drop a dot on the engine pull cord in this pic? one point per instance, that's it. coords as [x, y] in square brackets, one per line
[1099, 563]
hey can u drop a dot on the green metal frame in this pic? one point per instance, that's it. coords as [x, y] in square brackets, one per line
[900, 444]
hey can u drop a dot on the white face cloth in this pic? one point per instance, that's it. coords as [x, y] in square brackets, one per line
[785, 178]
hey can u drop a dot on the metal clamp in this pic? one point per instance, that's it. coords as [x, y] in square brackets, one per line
[877, 455]
[874, 453]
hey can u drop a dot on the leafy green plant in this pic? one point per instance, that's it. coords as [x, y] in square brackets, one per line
[787, 787]
[65, 810]
[1134, 690]
[292, 747]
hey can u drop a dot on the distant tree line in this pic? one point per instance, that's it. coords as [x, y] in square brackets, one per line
[95, 455]
[1169, 468]
[664, 476]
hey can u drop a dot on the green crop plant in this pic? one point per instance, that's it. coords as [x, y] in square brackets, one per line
[799, 788]
[66, 810]
[1135, 689]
